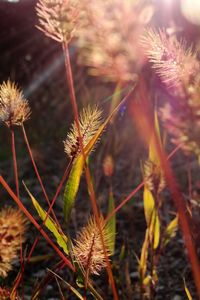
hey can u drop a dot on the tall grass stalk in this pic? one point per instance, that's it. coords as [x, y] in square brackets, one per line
[66, 173]
[87, 172]
[14, 157]
[36, 171]
[142, 112]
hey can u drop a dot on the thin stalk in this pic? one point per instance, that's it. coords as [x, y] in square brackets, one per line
[35, 223]
[14, 160]
[189, 179]
[46, 280]
[36, 170]
[135, 190]
[66, 173]
[87, 172]
[142, 111]
[15, 168]
[67, 170]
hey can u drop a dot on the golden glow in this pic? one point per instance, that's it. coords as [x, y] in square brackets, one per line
[191, 10]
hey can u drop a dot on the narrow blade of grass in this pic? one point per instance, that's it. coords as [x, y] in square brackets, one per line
[50, 224]
[170, 231]
[111, 224]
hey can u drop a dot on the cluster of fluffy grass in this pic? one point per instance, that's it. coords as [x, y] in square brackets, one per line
[117, 60]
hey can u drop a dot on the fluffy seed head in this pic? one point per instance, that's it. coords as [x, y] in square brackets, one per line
[109, 41]
[154, 177]
[14, 109]
[89, 122]
[58, 19]
[176, 64]
[88, 249]
[12, 233]
[179, 68]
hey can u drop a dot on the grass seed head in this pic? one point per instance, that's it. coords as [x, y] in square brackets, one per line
[176, 64]
[14, 109]
[154, 177]
[59, 19]
[12, 234]
[89, 121]
[88, 250]
[109, 41]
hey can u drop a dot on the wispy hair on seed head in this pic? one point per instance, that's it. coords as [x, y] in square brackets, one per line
[58, 19]
[88, 250]
[89, 121]
[14, 108]
[175, 63]
[109, 42]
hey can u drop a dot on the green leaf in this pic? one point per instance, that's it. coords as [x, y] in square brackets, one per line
[155, 229]
[153, 155]
[50, 224]
[72, 186]
[143, 257]
[149, 205]
[147, 280]
[152, 217]
[170, 231]
[111, 225]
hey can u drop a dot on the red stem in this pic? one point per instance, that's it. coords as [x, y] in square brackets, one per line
[32, 220]
[14, 160]
[87, 172]
[66, 173]
[36, 171]
[48, 212]
[135, 190]
[141, 113]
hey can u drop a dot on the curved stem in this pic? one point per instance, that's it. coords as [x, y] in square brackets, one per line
[135, 190]
[66, 173]
[36, 171]
[87, 171]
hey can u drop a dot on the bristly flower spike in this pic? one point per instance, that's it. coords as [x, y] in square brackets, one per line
[58, 19]
[88, 250]
[14, 108]
[175, 63]
[120, 23]
[12, 234]
[89, 121]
